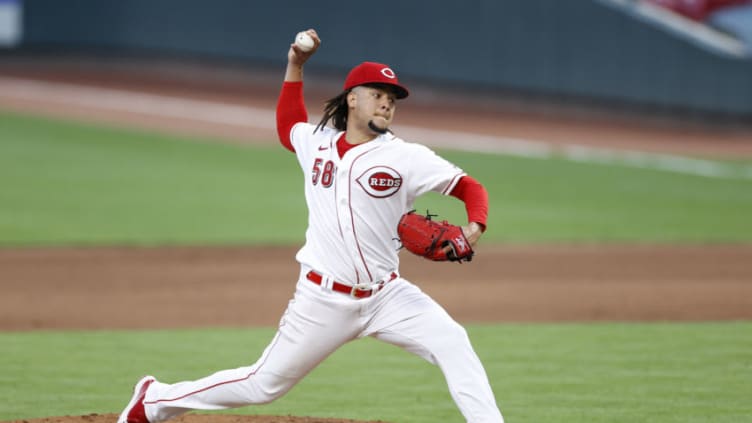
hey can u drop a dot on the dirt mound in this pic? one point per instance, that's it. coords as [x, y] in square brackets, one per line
[196, 418]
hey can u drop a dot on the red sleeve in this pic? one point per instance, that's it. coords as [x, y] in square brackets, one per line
[290, 110]
[475, 197]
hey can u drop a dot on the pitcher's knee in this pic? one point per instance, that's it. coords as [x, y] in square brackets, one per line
[459, 333]
[265, 388]
[452, 336]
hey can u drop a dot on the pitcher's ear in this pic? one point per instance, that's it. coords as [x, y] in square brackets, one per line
[351, 98]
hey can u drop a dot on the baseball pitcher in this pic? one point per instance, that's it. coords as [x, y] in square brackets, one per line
[361, 181]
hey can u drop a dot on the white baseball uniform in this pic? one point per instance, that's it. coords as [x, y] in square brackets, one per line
[354, 204]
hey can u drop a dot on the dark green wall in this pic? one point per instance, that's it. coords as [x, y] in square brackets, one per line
[577, 48]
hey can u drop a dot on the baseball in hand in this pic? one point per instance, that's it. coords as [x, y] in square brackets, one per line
[304, 41]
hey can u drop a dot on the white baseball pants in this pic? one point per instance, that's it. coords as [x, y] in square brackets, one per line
[316, 323]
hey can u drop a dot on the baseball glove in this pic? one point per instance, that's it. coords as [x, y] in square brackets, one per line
[428, 238]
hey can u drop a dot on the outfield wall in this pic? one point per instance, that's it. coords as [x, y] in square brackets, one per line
[579, 49]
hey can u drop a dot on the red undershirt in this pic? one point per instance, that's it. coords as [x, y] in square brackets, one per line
[291, 110]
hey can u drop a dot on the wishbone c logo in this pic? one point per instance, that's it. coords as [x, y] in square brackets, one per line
[389, 73]
[380, 181]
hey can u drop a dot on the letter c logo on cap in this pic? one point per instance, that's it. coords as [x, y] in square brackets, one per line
[389, 73]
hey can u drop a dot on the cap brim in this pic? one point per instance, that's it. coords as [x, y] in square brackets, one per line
[399, 91]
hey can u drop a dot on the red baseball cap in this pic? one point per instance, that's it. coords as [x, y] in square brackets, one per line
[374, 73]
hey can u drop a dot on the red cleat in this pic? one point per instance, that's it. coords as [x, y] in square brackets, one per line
[134, 412]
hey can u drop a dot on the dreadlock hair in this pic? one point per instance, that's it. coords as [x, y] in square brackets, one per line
[335, 109]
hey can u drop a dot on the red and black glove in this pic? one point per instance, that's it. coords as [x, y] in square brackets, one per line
[430, 239]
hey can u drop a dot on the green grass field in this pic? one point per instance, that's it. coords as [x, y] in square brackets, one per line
[674, 373]
[72, 184]
[75, 184]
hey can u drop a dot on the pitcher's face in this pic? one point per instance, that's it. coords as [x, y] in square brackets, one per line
[373, 107]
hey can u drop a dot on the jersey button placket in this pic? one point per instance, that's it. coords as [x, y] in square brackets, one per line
[344, 185]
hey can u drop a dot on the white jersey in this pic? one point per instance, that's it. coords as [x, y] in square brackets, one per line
[355, 203]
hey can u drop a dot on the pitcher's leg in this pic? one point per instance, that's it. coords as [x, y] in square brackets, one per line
[224, 389]
[415, 322]
[306, 336]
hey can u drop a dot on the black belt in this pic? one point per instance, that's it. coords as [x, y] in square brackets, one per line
[357, 291]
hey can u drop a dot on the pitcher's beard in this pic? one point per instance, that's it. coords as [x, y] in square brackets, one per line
[372, 126]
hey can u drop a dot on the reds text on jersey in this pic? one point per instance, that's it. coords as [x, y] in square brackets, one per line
[356, 202]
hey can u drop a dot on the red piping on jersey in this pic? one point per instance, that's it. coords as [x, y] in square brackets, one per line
[290, 110]
[341, 233]
[352, 215]
[452, 183]
[242, 379]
